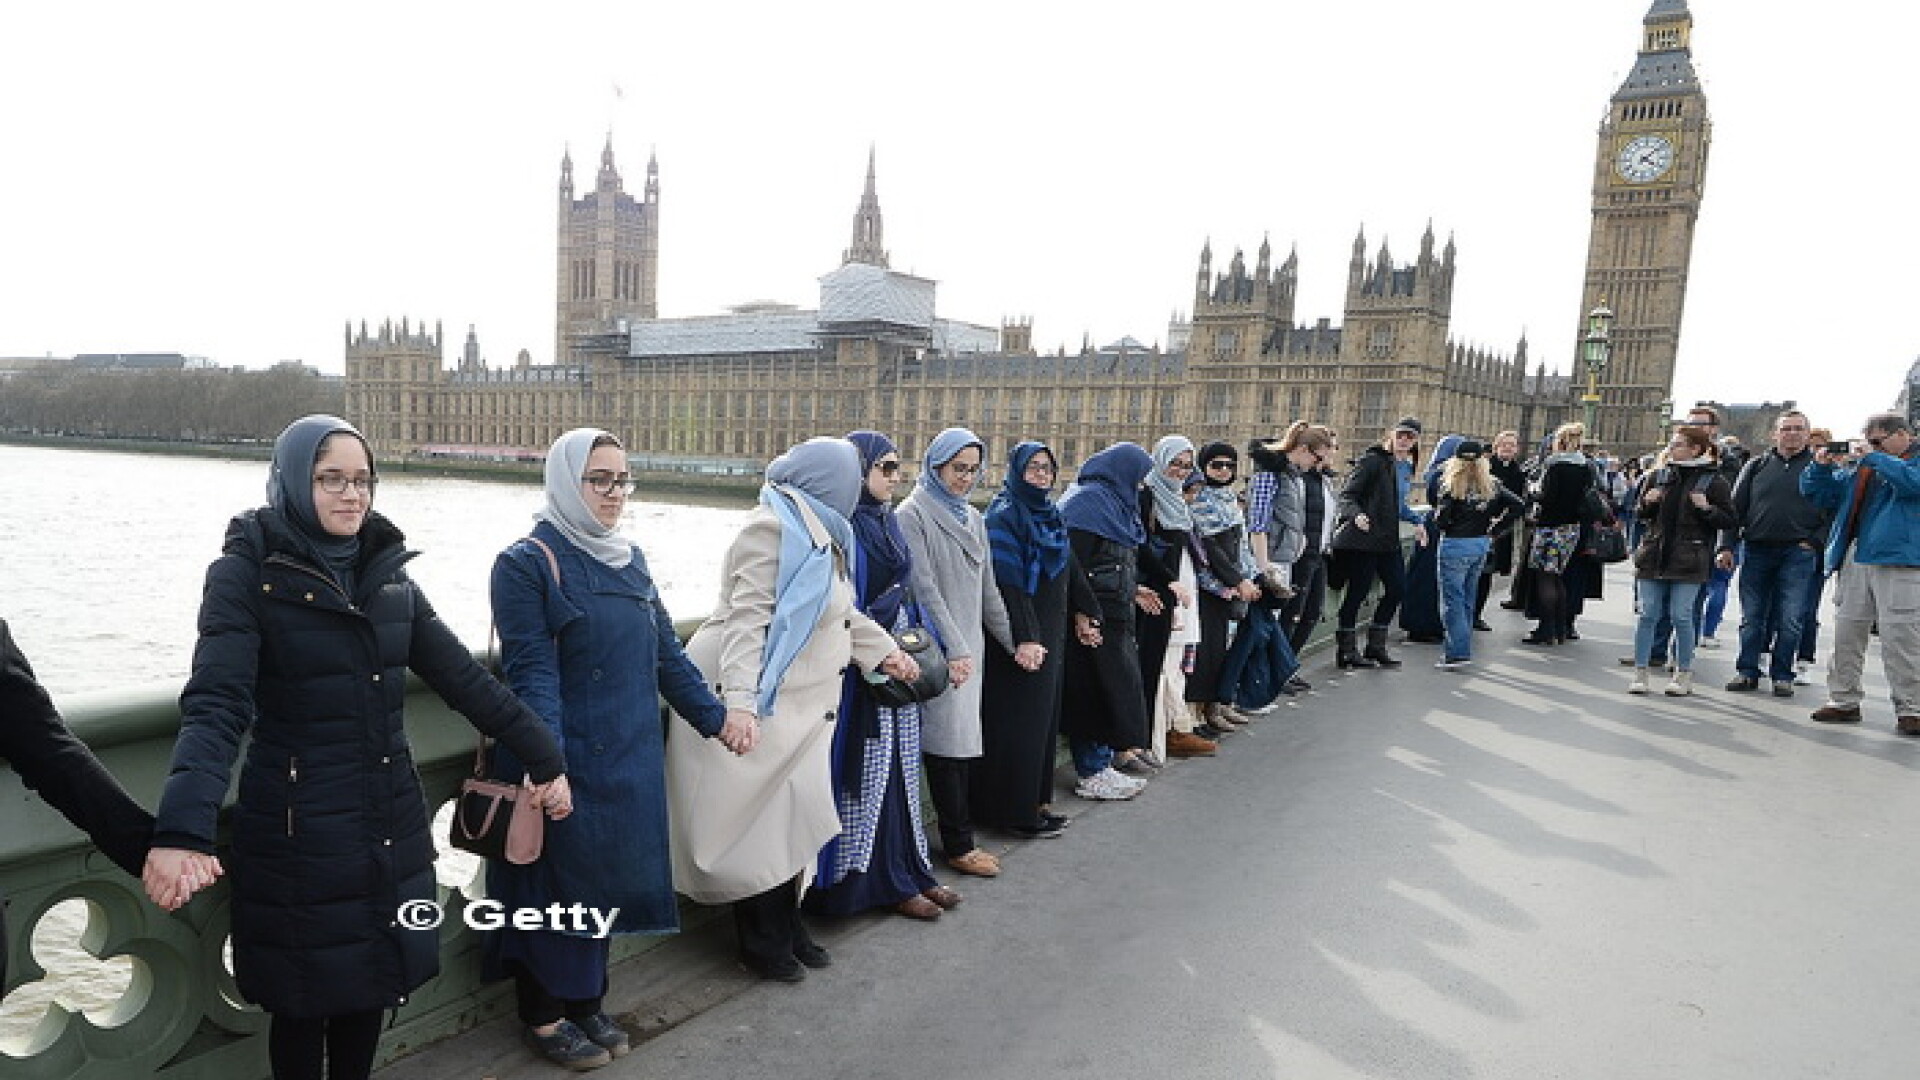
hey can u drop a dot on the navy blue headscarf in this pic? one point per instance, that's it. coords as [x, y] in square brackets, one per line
[1023, 524]
[882, 560]
[1105, 499]
[290, 490]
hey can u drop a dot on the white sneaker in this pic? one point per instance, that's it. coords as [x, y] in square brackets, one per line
[1708, 643]
[1450, 664]
[1682, 684]
[1639, 684]
[1099, 787]
[1803, 673]
[1121, 780]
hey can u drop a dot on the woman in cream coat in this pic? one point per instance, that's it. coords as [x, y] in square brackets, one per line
[748, 820]
[953, 583]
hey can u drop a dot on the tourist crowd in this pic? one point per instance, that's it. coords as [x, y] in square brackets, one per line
[862, 650]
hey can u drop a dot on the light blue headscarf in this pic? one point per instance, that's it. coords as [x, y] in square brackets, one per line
[1170, 511]
[566, 507]
[824, 474]
[944, 448]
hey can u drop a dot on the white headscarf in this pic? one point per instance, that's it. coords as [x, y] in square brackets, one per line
[566, 508]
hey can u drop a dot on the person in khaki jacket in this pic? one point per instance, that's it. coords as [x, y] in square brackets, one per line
[746, 826]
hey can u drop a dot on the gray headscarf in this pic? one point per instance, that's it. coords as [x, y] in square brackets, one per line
[290, 488]
[1170, 511]
[566, 507]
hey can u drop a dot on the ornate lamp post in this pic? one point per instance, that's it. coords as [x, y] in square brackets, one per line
[1596, 350]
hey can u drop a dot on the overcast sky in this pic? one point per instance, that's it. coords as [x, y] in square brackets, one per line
[239, 181]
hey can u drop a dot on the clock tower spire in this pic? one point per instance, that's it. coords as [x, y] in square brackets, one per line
[1649, 171]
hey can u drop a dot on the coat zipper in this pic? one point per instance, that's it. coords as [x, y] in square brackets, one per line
[293, 780]
[325, 579]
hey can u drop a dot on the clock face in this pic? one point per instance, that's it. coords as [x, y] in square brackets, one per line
[1645, 158]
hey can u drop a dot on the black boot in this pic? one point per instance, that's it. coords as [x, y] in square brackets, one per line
[1347, 650]
[1377, 647]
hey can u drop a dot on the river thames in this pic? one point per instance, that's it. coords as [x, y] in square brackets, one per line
[103, 554]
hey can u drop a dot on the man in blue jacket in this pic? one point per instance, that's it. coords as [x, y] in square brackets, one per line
[1874, 547]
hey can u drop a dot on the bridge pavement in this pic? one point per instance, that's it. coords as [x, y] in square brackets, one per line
[1516, 871]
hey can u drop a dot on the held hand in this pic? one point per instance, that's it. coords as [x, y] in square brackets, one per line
[1420, 535]
[1030, 655]
[1086, 631]
[1653, 494]
[172, 875]
[555, 797]
[1363, 522]
[959, 670]
[901, 666]
[1181, 594]
[1247, 590]
[1724, 560]
[1148, 600]
[741, 731]
[1699, 500]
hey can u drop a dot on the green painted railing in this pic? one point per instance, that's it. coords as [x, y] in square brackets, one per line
[181, 1016]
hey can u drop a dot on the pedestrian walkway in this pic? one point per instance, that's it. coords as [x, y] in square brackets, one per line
[1511, 871]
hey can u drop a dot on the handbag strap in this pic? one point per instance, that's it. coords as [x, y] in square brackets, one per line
[493, 646]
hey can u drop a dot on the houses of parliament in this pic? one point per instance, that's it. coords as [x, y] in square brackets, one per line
[735, 389]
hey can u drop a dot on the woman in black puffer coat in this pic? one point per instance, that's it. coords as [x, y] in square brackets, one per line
[308, 626]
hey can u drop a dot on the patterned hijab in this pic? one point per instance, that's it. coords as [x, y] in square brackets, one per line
[1023, 524]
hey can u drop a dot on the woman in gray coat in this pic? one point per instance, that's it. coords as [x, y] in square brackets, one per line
[953, 583]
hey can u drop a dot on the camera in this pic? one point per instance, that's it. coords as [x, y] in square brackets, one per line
[1839, 449]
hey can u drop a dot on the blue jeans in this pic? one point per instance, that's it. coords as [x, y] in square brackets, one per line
[1773, 597]
[1661, 601]
[1663, 630]
[1089, 757]
[1716, 593]
[1460, 560]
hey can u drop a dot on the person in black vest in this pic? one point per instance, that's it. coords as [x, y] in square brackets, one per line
[50, 761]
[308, 627]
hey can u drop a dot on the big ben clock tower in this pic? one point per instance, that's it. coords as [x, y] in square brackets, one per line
[1648, 174]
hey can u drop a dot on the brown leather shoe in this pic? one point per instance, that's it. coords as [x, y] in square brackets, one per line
[918, 907]
[976, 862]
[1837, 714]
[1185, 744]
[1909, 725]
[945, 897]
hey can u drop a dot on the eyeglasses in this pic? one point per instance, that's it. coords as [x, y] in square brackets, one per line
[1405, 435]
[961, 470]
[606, 483]
[1179, 466]
[888, 467]
[334, 483]
[1222, 464]
[1045, 467]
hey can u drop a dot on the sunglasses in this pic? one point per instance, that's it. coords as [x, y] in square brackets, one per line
[1211, 465]
[888, 467]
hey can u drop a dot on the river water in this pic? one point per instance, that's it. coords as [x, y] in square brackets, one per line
[102, 557]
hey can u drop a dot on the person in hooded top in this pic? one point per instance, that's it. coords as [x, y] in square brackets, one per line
[1105, 705]
[308, 627]
[1225, 572]
[587, 643]
[1045, 594]
[747, 829]
[879, 860]
[953, 582]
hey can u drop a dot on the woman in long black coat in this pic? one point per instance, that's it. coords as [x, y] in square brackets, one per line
[1042, 586]
[308, 627]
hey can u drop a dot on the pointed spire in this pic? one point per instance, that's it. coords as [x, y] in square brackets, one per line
[566, 173]
[652, 192]
[869, 239]
[609, 178]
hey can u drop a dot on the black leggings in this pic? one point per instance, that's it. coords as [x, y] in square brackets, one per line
[538, 1008]
[947, 782]
[1363, 567]
[298, 1047]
